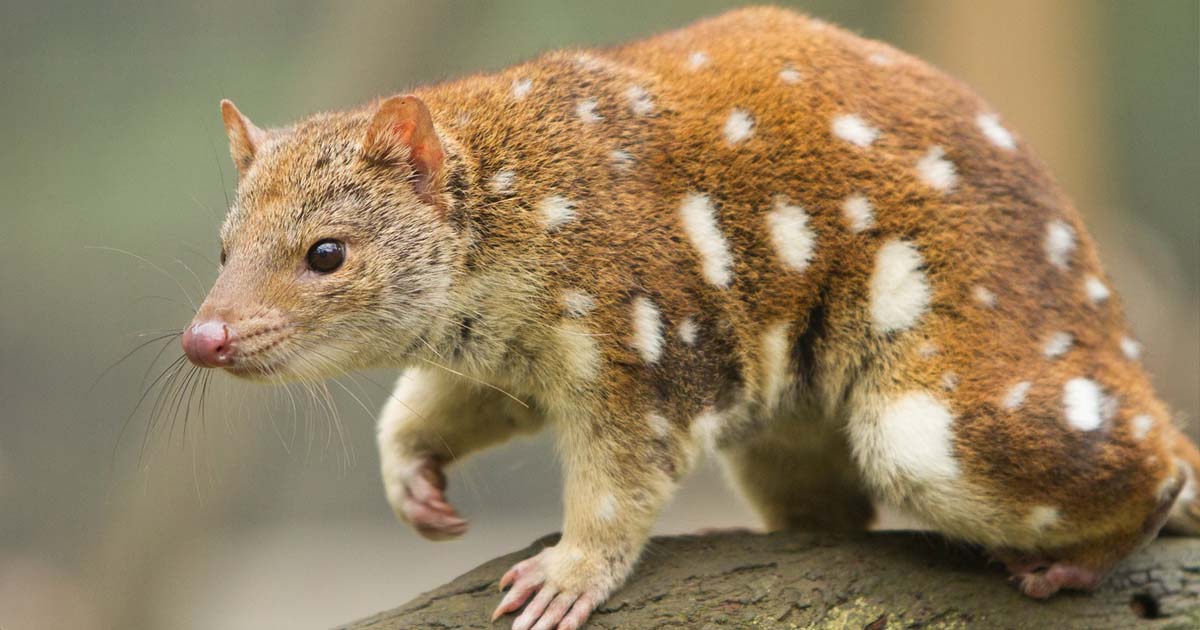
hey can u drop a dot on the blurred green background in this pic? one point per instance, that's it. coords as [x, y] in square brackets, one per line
[261, 516]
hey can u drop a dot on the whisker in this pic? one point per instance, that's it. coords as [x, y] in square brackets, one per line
[475, 380]
[203, 206]
[347, 455]
[220, 170]
[147, 261]
[126, 356]
[187, 412]
[199, 283]
[177, 400]
[197, 253]
[173, 369]
[147, 298]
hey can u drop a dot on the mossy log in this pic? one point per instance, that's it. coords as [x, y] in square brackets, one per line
[805, 580]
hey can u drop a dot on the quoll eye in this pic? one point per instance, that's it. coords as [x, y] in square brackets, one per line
[326, 255]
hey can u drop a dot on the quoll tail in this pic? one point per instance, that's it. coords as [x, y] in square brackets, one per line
[1184, 518]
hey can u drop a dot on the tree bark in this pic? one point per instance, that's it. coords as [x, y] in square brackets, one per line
[806, 580]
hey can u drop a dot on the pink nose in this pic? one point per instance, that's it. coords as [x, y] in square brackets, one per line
[209, 343]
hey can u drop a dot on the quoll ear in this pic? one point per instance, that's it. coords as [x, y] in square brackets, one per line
[244, 137]
[403, 129]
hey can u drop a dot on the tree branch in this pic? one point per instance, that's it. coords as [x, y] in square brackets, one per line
[803, 580]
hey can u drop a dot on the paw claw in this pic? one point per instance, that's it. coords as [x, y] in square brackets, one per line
[552, 607]
[507, 579]
[579, 613]
[422, 502]
[533, 611]
[1041, 579]
[555, 612]
[523, 586]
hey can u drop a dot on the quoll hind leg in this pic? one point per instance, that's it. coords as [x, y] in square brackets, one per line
[799, 475]
[1084, 566]
[1059, 476]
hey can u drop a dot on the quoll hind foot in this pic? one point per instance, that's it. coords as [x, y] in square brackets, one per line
[556, 604]
[1040, 578]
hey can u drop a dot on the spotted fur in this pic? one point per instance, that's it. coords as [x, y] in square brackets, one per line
[759, 235]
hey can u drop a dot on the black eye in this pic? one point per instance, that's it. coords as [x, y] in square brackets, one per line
[326, 256]
[223, 256]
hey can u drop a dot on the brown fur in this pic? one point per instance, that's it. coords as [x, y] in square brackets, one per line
[465, 277]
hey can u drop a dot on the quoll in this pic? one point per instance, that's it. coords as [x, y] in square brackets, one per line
[760, 236]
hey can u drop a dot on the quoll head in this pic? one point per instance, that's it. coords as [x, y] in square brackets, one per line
[337, 253]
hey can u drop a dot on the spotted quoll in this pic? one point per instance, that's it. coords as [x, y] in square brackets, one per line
[760, 236]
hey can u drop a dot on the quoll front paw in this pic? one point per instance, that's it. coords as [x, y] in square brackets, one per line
[565, 587]
[417, 495]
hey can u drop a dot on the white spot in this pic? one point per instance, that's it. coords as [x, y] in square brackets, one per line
[577, 303]
[647, 329]
[1085, 404]
[915, 440]
[1131, 348]
[621, 159]
[706, 427]
[502, 182]
[984, 296]
[698, 59]
[700, 222]
[606, 508]
[1141, 425]
[590, 62]
[854, 130]
[859, 213]
[1042, 517]
[1015, 396]
[790, 75]
[1096, 290]
[738, 127]
[775, 362]
[658, 424]
[794, 241]
[880, 59]
[555, 211]
[1059, 243]
[989, 124]
[688, 331]
[578, 350]
[1057, 344]
[927, 349]
[899, 291]
[949, 381]
[521, 88]
[936, 171]
[586, 111]
[640, 102]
